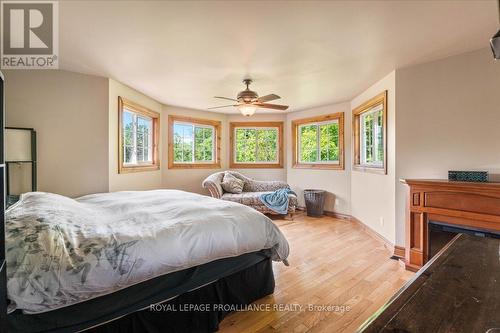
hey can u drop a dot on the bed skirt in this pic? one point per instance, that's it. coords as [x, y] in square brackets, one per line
[213, 301]
[224, 285]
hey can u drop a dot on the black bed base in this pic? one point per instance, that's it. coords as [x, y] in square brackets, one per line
[238, 281]
[233, 291]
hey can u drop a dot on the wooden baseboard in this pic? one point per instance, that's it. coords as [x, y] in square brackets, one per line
[331, 214]
[338, 215]
[387, 244]
[398, 252]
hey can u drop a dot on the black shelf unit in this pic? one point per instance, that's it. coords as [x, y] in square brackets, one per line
[3, 266]
[11, 199]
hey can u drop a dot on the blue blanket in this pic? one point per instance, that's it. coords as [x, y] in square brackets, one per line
[277, 200]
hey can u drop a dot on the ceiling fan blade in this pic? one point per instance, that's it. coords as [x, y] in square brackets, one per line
[268, 98]
[223, 106]
[271, 106]
[229, 99]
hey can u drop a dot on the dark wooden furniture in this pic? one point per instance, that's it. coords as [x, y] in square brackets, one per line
[458, 290]
[469, 205]
[3, 266]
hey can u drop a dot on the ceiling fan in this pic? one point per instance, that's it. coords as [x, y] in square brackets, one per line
[248, 101]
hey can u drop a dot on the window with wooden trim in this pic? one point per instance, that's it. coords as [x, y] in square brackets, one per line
[370, 135]
[256, 144]
[138, 132]
[318, 142]
[193, 143]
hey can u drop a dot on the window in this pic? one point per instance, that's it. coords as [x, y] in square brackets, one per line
[369, 129]
[138, 137]
[256, 145]
[318, 142]
[372, 145]
[193, 143]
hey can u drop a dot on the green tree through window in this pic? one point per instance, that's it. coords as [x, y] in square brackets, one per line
[256, 145]
[193, 143]
[372, 143]
[370, 135]
[138, 130]
[319, 142]
[137, 138]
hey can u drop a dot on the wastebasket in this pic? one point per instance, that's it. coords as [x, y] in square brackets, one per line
[315, 200]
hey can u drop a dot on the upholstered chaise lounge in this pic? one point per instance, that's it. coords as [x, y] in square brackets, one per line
[252, 190]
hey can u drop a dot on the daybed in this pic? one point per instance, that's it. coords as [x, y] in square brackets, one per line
[252, 190]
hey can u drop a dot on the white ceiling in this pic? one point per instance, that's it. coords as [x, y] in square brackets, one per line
[310, 53]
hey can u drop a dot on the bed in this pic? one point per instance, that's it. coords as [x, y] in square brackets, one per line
[74, 264]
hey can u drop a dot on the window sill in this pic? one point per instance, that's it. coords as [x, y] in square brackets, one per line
[318, 166]
[256, 166]
[371, 169]
[138, 168]
[194, 166]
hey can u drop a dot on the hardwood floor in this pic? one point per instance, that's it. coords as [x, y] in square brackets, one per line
[332, 262]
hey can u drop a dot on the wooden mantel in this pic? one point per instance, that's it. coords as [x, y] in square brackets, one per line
[464, 204]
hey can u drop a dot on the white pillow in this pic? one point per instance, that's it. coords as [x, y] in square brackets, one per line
[232, 184]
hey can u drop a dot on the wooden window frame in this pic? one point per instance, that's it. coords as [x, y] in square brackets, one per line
[261, 124]
[124, 103]
[217, 126]
[380, 99]
[339, 116]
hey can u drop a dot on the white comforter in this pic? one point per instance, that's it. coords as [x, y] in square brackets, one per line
[62, 251]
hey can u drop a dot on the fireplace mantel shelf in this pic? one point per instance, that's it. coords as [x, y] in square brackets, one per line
[463, 204]
[450, 183]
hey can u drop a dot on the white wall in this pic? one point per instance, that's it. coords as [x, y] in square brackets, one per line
[448, 118]
[69, 111]
[135, 180]
[76, 117]
[373, 195]
[335, 182]
[442, 115]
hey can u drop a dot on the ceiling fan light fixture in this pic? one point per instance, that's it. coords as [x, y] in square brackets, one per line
[247, 110]
[248, 101]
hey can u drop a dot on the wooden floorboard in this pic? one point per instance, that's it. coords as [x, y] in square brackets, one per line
[332, 262]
